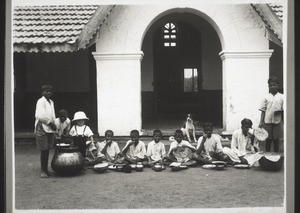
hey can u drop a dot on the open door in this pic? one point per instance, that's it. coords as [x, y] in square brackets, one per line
[177, 70]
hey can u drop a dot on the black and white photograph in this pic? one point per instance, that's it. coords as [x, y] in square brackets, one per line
[149, 106]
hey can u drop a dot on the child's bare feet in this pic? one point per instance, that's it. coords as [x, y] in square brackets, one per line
[44, 175]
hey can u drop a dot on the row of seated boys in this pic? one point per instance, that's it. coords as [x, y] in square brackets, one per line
[208, 149]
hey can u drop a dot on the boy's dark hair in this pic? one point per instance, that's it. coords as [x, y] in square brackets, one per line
[109, 131]
[273, 79]
[246, 121]
[178, 131]
[207, 124]
[134, 132]
[157, 131]
[46, 87]
[63, 112]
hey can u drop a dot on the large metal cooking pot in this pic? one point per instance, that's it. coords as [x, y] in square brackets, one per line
[67, 161]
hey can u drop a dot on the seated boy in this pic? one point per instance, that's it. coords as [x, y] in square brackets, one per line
[135, 150]
[91, 158]
[156, 150]
[81, 133]
[209, 147]
[108, 150]
[181, 151]
[242, 150]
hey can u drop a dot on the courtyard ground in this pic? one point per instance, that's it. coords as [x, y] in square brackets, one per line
[191, 188]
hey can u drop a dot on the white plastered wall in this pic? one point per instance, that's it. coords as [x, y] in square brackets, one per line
[245, 56]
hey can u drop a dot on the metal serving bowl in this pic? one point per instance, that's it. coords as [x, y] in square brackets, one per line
[157, 168]
[139, 167]
[101, 167]
[219, 165]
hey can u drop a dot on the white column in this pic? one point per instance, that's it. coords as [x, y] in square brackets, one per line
[245, 76]
[119, 92]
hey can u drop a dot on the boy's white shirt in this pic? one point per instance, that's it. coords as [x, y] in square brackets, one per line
[183, 142]
[239, 142]
[87, 132]
[136, 151]
[45, 113]
[212, 144]
[270, 104]
[156, 150]
[61, 126]
[111, 150]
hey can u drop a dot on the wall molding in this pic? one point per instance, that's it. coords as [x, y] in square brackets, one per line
[100, 56]
[243, 54]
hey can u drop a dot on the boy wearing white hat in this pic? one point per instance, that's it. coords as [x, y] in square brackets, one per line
[81, 133]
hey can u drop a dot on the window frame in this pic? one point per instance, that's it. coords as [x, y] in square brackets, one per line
[195, 87]
[170, 38]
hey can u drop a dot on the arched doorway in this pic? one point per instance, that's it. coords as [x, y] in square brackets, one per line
[181, 72]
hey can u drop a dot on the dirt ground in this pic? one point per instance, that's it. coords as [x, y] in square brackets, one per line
[191, 188]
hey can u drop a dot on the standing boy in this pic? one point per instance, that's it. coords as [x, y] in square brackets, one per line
[45, 127]
[272, 114]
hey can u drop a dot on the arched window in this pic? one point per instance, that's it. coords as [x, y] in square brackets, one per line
[170, 35]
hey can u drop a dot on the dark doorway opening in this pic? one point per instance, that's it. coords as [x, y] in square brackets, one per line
[177, 71]
[276, 64]
[73, 76]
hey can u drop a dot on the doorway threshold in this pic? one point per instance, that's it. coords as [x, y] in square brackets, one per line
[168, 126]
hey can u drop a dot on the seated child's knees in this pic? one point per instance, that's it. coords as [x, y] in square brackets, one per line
[225, 157]
[195, 155]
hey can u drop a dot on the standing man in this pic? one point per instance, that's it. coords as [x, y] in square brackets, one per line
[272, 114]
[45, 127]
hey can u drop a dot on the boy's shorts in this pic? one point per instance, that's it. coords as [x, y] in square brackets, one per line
[275, 131]
[44, 140]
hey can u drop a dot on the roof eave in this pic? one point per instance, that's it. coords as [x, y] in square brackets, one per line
[42, 47]
[88, 35]
[271, 20]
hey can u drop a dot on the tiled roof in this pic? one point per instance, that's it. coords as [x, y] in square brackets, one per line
[60, 27]
[278, 9]
[51, 25]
